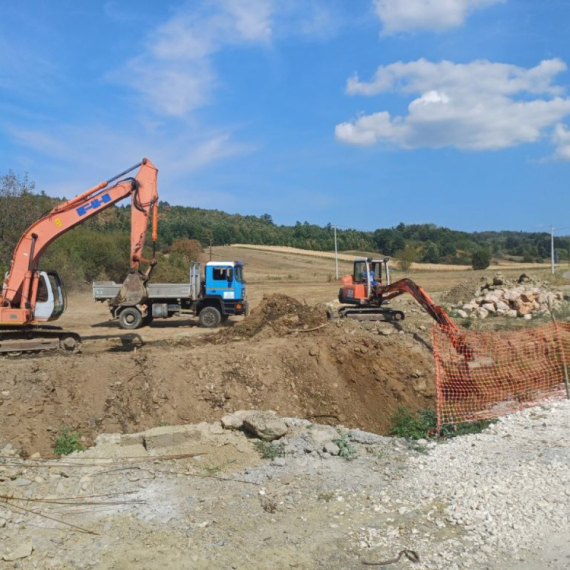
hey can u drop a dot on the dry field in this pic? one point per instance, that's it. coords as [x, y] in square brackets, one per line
[348, 257]
[310, 275]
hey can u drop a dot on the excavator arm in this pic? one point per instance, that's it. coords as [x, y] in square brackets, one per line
[387, 292]
[20, 287]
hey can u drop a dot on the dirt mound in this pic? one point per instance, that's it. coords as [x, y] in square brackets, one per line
[342, 372]
[463, 292]
[276, 315]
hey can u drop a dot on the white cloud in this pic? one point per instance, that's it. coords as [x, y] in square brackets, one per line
[561, 138]
[436, 15]
[476, 106]
[174, 72]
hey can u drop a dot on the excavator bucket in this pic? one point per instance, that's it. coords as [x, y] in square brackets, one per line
[133, 291]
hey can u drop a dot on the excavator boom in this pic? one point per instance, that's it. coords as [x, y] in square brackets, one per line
[19, 303]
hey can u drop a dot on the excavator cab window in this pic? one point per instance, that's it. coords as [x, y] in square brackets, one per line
[59, 298]
[43, 293]
[364, 269]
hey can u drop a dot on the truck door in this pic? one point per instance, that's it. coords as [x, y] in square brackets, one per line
[239, 282]
[220, 281]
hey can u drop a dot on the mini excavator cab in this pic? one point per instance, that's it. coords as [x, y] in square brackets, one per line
[358, 288]
[374, 270]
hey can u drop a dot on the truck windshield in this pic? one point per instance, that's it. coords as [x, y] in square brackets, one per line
[239, 273]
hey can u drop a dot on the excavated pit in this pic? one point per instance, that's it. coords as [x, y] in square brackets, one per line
[343, 372]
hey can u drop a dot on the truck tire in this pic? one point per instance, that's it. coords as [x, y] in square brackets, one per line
[209, 317]
[147, 321]
[130, 318]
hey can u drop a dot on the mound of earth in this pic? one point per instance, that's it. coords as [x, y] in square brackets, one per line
[343, 372]
[276, 315]
[463, 292]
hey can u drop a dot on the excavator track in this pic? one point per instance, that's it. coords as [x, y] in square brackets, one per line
[30, 340]
[371, 314]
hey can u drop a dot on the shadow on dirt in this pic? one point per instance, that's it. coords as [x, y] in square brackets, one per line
[157, 324]
[129, 342]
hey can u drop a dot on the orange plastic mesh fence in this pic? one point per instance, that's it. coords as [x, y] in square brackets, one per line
[483, 375]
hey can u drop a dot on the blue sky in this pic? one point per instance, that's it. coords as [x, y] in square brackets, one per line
[361, 113]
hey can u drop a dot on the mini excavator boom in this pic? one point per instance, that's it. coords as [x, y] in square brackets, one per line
[31, 297]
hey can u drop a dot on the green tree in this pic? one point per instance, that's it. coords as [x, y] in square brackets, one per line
[481, 259]
[406, 257]
[431, 253]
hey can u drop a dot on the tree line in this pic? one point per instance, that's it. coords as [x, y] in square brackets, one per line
[99, 248]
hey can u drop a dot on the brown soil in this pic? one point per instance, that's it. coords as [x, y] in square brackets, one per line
[276, 315]
[343, 372]
[463, 292]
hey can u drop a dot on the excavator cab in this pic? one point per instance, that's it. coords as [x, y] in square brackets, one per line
[51, 300]
[374, 270]
[368, 273]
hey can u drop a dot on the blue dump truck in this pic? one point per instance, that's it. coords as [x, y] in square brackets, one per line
[212, 297]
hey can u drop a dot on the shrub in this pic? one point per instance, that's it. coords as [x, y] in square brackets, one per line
[405, 423]
[347, 450]
[67, 441]
[423, 423]
[406, 257]
[269, 450]
[481, 259]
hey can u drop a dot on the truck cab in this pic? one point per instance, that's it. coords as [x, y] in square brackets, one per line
[223, 290]
[224, 279]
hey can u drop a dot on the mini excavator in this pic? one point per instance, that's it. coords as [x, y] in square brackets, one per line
[365, 293]
[31, 297]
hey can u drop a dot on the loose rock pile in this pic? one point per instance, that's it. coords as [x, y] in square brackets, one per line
[523, 298]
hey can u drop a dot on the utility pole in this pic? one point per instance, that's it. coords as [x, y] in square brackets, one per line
[335, 254]
[211, 249]
[552, 250]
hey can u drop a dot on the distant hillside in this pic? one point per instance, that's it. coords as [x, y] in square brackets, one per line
[99, 248]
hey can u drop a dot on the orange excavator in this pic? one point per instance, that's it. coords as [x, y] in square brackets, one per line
[365, 293]
[31, 297]
[368, 289]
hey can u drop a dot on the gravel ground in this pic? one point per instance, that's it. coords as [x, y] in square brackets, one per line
[496, 500]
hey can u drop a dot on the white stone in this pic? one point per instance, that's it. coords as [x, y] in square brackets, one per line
[23, 551]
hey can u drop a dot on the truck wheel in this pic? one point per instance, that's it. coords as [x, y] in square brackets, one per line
[209, 317]
[130, 318]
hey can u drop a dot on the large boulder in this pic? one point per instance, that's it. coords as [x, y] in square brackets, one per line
[265, 425]
[525, 309]
[235, 420]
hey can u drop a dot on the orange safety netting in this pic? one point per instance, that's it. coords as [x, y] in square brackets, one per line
[482, 375]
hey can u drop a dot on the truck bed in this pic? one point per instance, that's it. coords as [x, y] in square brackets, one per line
[103, 290]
